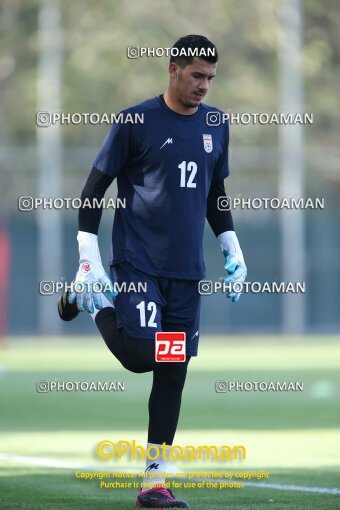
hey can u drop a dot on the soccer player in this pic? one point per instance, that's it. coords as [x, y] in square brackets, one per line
[170, 170]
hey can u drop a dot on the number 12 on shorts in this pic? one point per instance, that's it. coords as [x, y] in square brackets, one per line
[150, 320]
[170, 346]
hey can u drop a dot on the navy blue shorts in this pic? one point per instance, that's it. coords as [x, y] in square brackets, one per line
[147, 304]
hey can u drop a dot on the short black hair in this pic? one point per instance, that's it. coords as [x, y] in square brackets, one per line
[191, 46]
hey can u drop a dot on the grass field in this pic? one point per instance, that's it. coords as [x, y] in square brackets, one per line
[45, 438]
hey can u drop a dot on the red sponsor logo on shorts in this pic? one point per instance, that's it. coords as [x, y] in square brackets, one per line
[86, 267]
[170, 346]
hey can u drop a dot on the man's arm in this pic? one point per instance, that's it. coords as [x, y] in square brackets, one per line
[111, 159]
[91, 269]
[221, 222]
[95, 187]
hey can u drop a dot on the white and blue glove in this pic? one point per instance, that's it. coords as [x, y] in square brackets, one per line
[91, 276]
[234, 264]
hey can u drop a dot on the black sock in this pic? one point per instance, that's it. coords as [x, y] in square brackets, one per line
[107, 324]
[165, 401]
[138, 355]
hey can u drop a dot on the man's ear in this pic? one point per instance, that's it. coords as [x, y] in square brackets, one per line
[173, 70]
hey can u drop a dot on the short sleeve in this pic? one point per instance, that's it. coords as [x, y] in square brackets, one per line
[116, 150]
[221, 168]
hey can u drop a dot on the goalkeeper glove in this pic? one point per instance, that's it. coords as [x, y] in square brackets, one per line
[91, 276]
[234, 263]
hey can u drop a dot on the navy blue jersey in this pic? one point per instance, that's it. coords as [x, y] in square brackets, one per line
[164, 168]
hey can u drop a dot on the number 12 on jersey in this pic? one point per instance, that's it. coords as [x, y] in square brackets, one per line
[188, 173]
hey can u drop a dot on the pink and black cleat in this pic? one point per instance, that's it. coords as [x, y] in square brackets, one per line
[66, 310]
[159, 497]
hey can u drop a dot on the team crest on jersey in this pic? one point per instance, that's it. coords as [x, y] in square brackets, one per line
[207, 142]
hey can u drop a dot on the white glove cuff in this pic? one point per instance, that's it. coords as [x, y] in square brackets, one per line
[88, 247]
[229, 243]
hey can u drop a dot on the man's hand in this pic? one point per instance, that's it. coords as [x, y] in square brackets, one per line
[91, 278]
[234, 263]
[237, 272]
